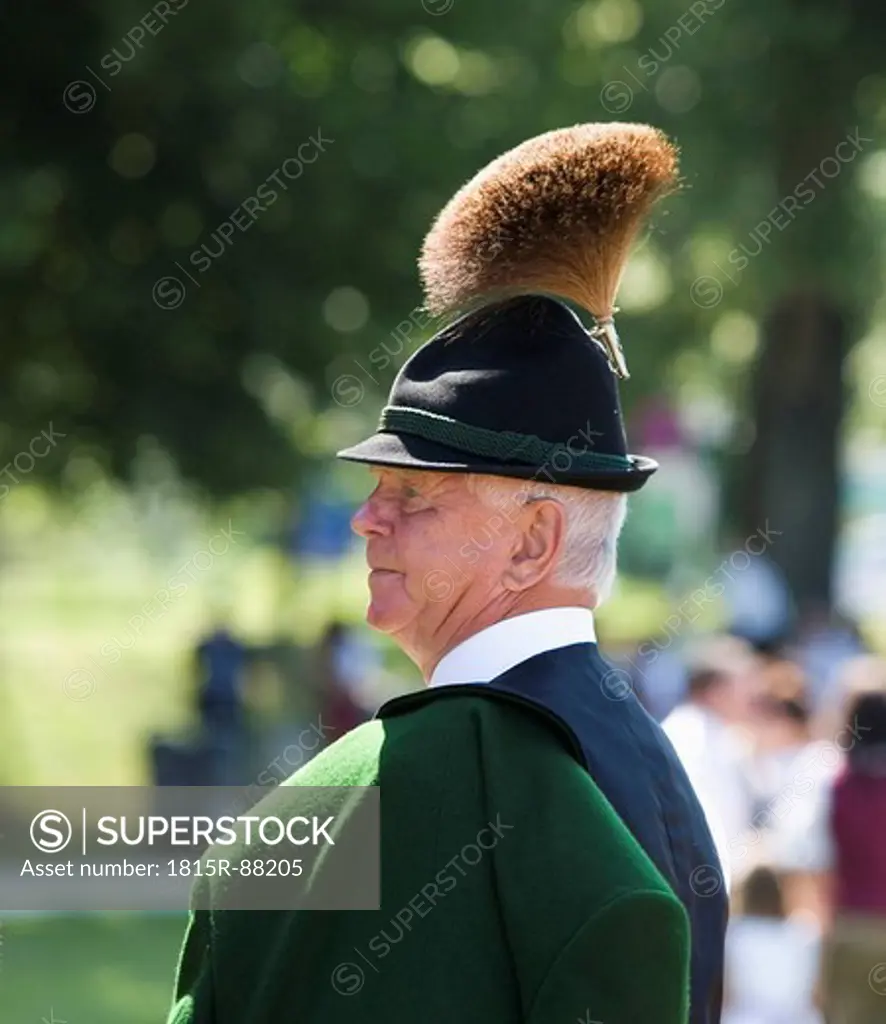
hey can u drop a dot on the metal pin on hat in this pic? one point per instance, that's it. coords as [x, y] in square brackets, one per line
[605, 333]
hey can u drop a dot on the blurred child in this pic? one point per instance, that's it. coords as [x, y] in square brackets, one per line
[772, 960]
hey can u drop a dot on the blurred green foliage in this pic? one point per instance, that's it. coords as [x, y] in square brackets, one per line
[209, 220]
[131, 135]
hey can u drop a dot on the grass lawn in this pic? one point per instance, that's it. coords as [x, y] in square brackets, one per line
[88, 970]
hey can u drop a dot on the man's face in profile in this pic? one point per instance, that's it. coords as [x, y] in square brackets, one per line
[418, 526]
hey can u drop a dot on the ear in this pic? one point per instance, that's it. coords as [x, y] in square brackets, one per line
[541, 533]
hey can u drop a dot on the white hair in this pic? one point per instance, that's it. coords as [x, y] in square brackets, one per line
[593, 522]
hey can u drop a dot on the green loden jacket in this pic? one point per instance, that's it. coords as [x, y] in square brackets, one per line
[562, 918]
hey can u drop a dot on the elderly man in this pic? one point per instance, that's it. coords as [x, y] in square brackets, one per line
[501, 476]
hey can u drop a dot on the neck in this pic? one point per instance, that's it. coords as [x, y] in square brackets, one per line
[428, 655]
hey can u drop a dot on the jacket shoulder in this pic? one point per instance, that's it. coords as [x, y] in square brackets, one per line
[472, 742]
[352, 760]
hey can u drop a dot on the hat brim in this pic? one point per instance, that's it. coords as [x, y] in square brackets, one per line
[408, 451]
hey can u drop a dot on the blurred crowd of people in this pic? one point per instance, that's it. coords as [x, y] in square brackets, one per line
[785, 744]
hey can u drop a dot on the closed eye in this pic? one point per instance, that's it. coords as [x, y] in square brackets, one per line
[414, 500]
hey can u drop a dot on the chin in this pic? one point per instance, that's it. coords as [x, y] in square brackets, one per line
[376, 616]
[386, 618]
[389, 608]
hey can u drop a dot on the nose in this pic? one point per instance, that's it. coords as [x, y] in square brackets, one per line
[367, 522]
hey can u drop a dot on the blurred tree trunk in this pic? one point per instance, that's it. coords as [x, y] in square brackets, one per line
[792, 474]
[792, 471]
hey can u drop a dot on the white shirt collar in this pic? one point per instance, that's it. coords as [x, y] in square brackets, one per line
[505, 644]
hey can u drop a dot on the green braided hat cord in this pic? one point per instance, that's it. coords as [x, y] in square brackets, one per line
[506, 445]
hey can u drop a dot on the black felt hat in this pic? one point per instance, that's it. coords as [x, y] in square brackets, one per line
[516, 385]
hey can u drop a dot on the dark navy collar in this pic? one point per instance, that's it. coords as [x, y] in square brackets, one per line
[507, 688]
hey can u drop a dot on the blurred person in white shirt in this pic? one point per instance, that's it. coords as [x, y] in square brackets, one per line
[793, 773]
[772, 959]
[708, 732]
